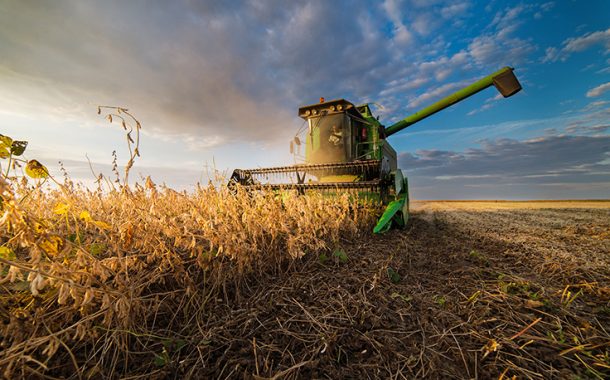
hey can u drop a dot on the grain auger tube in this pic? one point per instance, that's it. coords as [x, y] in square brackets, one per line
[346, 150]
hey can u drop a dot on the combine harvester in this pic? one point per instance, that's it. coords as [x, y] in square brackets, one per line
[346, 149]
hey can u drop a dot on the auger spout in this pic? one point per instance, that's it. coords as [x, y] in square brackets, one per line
[504, 80]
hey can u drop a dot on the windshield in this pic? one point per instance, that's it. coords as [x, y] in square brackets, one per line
[329, 139]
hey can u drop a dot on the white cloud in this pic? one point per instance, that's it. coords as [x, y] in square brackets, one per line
[547, 6]
[484, 107]
[597, 91]
[454, 10]
[402, 86]
[596, 104]
[499, 46]
[489, 103]
[402, 35]
[423, 23]
[578, 44]
[581, 43]
[543, 9]
[436, 93]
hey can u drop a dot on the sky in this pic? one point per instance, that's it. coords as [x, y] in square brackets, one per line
[217, 85]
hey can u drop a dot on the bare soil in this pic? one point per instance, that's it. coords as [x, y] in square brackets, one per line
[477, 292]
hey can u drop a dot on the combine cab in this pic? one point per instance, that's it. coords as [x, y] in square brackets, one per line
[346, 150]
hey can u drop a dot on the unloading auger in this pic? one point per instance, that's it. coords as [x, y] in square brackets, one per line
[346, 149]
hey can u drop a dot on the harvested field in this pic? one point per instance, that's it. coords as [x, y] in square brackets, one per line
[508, 205]
[468, 292]
[481, 294]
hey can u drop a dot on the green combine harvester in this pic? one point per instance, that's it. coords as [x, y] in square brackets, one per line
[346, 149]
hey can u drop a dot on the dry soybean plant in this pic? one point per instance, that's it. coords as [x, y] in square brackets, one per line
[102, 283]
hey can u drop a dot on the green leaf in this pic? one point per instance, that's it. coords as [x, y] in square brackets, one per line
[18, 147]
[173, 345]
[393, 275]
[97, 249]
[35, 169]
[73, 237]
[404, 298]
[323, 258]
[7, 254]
[440, 300]
[161, 360]
[341, 255]
[179, 344]
[20, 286]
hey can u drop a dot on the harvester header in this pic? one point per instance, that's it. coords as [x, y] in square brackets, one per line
[346, 150]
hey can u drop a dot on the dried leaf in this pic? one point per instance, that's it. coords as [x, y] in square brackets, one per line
[84, 215]
[102, 225]
[5, 146]
[5, 141]
[35, 169]
[534, 304]
[61, 208]
[18, 147]
[491, 346]
[52, 245]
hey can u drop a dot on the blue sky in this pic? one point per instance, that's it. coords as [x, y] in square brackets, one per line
[218, 84]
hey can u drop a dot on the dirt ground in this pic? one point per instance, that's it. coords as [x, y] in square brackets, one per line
[507, 205]
[468, 290]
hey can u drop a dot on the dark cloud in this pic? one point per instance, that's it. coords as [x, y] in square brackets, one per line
[589, 121]
[552, 166]
[587, 129]
[227, 71]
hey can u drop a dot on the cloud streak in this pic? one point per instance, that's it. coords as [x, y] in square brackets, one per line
[499, 165]
[578, 44]
[598, 91]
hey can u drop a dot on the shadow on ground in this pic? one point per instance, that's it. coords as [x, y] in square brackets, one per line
[461, 294]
